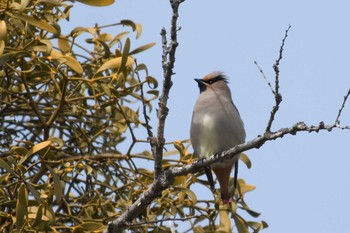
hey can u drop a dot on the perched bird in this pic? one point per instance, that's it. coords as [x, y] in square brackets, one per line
[217, 126]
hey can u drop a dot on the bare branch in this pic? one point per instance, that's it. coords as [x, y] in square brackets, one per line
[264, 76]
[162, 180]
[278, 96]
[337, 121]
[168, 61]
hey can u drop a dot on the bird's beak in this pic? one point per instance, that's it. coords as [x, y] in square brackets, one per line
[199, 81]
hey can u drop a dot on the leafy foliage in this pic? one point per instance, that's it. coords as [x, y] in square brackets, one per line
[66, 109]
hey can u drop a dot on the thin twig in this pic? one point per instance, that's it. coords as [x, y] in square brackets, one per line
[264, 76]
[278, 96]
[144, 106]
[337, 121]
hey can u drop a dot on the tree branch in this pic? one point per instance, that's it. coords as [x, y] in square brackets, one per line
[162, 180]
[278, 96]
[168, 61]
[337, 119]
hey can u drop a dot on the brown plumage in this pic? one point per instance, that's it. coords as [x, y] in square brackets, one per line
[216, 126]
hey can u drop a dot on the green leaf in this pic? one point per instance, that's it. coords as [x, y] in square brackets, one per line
[21, 206]
[35, 193]
[38, 216]
[251, 212]
[125, 53]
[188, 192]
[129, 114]
[37, 23]
[118, 38]
[245, 159]
[18, 150]
[130, 23]
[241, 224]
[57, 185]
[142, 48]
[77, 31]
[7, 56]
[106, 49]
[152, 82]
[97, 2]
[142, 66]
[56, 141]
[153, 92]
[47, 46]
[7, 167]
[92, 226]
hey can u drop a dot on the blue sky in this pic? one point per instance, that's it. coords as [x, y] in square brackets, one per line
[302, 181]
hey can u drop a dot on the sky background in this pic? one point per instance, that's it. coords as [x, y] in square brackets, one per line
[302, 181]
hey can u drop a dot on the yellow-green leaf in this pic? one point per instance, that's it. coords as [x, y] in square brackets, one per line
[114, 64]
[152, 82]
[117, 38]
[57, 185]
[153, 92]
[21, 206]
[138, 30]
[77, 31]
[129, 23]
[37, 23]
[74, 64]
[35, 193]
[78, 229]
[56, 142]
[2, 47]
[245, 159]
[38, 147]
[243, 187]
[142, 48]
[68, 60]
[7, 167]
[38, 216]
[126, 51]
[7, 56]
[97, 2]
[91, 226]
[241, 224]
[3, 30]
[63, 44]
[188, 192]
[18, 150]
[225, 223]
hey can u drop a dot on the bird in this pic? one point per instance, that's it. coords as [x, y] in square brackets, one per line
[217, 126]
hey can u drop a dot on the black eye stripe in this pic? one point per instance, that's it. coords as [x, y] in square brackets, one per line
[214, 80]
